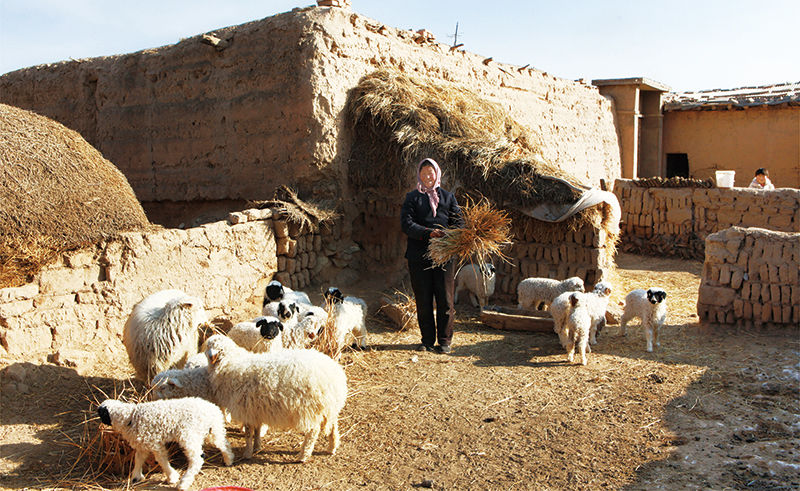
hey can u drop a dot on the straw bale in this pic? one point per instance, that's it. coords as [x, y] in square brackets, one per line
[57, 192]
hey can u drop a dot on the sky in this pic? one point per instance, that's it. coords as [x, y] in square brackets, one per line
[685, 45]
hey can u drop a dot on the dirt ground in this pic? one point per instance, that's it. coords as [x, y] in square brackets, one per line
[709, 409]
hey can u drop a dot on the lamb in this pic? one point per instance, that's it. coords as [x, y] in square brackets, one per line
[349, 315]
[297, 332]
[196, 360]
[309, 324]
[275, 292]
[162, 332]
[478, 281]
[576, 327]
[184, 382]
[596, 303]
[148, 426]
[651, 308]
[260, 335]
[532, 293]
[298, 389]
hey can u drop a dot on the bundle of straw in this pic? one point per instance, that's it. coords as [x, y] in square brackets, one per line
[486, 231]
[328, 340]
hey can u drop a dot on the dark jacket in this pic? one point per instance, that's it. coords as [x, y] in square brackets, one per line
[417, 221]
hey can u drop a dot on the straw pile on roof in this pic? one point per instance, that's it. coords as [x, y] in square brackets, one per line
[57, 192]
[399, 120]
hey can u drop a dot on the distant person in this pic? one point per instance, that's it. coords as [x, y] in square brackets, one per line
[761, 180]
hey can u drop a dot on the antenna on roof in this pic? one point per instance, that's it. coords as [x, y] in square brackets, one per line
[454, 36]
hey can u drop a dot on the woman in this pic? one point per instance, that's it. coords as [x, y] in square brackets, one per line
[427, 211]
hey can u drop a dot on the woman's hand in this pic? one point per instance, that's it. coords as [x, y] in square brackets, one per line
[437, 233]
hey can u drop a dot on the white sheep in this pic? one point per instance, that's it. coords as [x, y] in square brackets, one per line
[650, 307]
[260, 335]
[478, 281]
[310, 322]
[196, 360]
[183, 382]
[576, 327]
[596, 304]
[294, 333]
[349, 317]
[162, 332]
[148, 426]
[532, 293]
[298, 389]
[275, 292]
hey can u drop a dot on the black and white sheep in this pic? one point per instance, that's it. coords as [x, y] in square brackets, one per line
[162, 332]
[478, 281]
[260, 335]
[148, 426]
[296, 389]
[533, 293]
[650, 307]
[275, 293]
[349, 317]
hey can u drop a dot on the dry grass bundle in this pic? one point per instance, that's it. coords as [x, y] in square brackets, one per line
[55, 184]
[398, 120]
[328, 342]
[21, 257]
[306, 214]
[103, 453]
[401, 308]
[486, 231]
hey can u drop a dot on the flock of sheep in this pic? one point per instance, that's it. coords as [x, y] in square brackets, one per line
[262, 374]
[265, 374]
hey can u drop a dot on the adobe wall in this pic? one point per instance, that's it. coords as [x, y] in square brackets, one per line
[194, 122]
[738, 139]
[676, 221]
[750, 278]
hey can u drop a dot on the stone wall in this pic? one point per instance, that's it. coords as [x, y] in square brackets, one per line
[750, 278]
[676, 221]
[193, 121]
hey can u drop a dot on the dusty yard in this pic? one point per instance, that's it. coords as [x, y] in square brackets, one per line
[710, 409]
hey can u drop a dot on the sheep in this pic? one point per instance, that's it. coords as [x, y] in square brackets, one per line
[162, 332]
[596, 303]
[309, 324]
[534, 292]
[148, 426]
[275, 292]
[576, 327]
[259, 335]
[195, 361]
[186, 382]
[349, 315]
[478, 281]
[298, 389]
[651, 308]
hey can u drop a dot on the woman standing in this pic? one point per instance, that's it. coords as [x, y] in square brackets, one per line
[427, 211]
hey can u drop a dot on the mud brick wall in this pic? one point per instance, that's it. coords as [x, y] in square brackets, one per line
[86, 296]
[582, 253]
[676, 221]
[750, 278]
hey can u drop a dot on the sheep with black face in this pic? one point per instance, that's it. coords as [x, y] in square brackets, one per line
[650, 307]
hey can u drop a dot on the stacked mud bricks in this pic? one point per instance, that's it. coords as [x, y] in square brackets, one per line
[299, 250]
[675, 221]
[750, 278]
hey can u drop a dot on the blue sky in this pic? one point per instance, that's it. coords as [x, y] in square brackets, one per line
[686, 45]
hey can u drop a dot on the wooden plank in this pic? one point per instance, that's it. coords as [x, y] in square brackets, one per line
[512, 319]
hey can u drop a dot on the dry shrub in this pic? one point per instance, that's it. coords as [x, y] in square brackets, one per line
[57, 192]
[486, 231]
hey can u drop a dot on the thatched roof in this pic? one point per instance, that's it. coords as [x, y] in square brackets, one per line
[56, 191]
[398, 120]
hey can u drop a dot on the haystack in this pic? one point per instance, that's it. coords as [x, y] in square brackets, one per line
[398, 120]
[57, 192]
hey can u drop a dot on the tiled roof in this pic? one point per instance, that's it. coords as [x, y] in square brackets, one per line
[764, 95]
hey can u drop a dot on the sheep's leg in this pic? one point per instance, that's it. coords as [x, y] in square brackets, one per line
[308, 444]
[221, 442]
[138, 462]
[455, 296]
[473, 299]
[194, 456]
[248, 441]
[163, 460]
[655, 334]
[583, 345]
[648, 332]
[570, 350]
[333, 437]
[257, 437]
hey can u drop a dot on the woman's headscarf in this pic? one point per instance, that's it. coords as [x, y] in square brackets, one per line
[433, 196]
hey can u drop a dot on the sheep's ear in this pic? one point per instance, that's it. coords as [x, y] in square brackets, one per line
[187, 304]
[213, 356]
[175, 382]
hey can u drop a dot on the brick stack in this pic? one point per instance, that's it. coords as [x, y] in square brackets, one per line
[750, 278]
[301, 252]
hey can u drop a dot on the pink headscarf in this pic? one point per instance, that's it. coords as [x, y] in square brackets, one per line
[433, 196]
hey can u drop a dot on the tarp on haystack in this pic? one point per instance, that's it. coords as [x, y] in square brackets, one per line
[57, 192]
[398, 120]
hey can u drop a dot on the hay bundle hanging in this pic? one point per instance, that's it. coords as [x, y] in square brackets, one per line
[57, 192]
[307, 215]
[486, 231]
